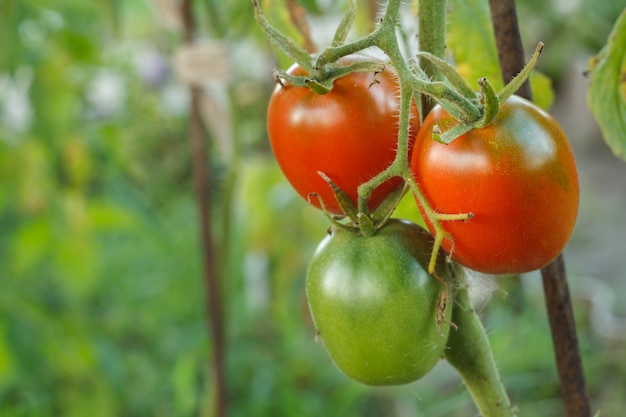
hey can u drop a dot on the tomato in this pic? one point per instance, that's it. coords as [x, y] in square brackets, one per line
[517, 176]
[350, 134]
[375, 306]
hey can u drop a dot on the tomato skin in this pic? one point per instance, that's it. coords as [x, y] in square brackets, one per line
[517, 176]
[350, 133]
[374, 304]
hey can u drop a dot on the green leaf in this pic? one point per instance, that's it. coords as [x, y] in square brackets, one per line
[472, 44]
[541, 87]
[7, 362]
[470, 39]
[10, 19]
[607, 89]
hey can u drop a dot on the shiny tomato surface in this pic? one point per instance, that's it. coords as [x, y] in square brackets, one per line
[517, 176]
[349, 134]
[376, 307]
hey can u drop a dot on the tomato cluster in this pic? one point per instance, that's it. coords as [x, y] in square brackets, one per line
[378, 311]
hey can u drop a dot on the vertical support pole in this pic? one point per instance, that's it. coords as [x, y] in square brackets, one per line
[202, 185]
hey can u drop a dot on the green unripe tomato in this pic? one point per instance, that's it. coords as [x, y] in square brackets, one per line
[376, 308]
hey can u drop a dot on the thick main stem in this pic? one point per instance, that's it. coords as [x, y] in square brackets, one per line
[556, 289]
[469, 351]
[431, 36]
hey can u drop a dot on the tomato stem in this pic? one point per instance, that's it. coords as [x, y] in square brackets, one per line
[469, 351]
[432, 38]
[384, 37]
[435, 219]
[412, 82]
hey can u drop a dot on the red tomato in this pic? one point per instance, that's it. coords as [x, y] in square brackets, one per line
[350, 134]
[517, 176]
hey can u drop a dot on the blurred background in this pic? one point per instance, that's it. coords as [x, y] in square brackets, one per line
[102, 311]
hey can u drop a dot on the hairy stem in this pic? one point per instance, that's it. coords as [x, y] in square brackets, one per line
[469, 351]
[432, 34]
[400, 166]
[384, 37]
[410, 84]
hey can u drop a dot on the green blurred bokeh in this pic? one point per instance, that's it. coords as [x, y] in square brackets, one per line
[102, 310]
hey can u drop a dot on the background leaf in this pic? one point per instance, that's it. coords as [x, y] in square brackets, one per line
[471, 43]
[607, 90]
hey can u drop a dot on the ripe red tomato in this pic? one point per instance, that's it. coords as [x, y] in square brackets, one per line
[350, 133]
[376, 307]
[517, 176]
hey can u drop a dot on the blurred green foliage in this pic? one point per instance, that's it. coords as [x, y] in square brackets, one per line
[607, 90]
[101, 300]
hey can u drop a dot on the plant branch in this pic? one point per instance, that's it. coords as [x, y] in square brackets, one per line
[202, 180]
[556, 289]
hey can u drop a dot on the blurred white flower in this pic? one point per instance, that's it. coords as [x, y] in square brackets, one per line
[175, 99]
[16, 112]
[106, 94]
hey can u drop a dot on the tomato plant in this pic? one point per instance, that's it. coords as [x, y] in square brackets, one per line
[517, 176]
[349, 134]
[374, 305]
[501, 198]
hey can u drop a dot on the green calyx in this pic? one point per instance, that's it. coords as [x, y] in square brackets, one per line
[361, 222]
[321, 79]
[487, 100]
